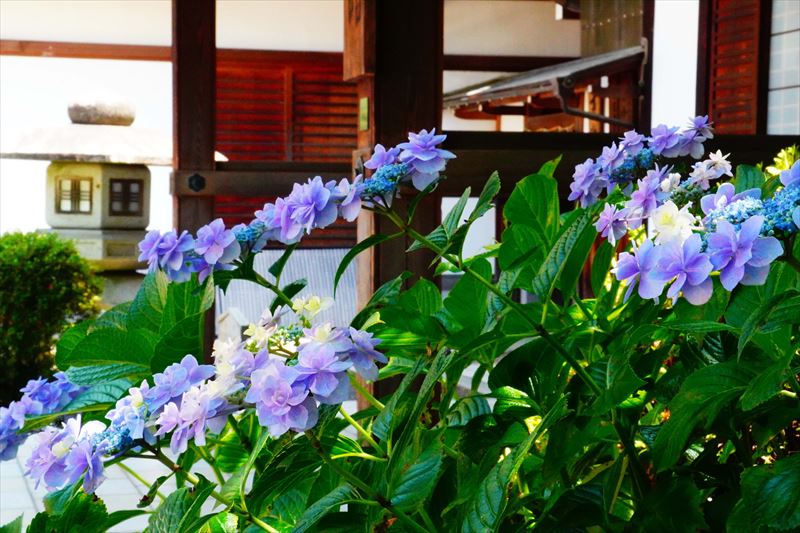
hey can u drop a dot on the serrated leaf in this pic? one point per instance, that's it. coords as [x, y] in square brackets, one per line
[223, 522]
[759, 316]
[330, 502]
[600, 266]
[701, 397]
[765, 385]
[698, 326]
[770, 497]
[148, 305]
[418, 479]
[423, 298]
[438, 237]
[452, 220]
[467, 302]
[276, 269]
[485, 510]
[109, 346]
[545, 280]
[576, 259]
[86, 376]
[466, 409]
[185, 337]
[369, 242]
[490, 190]
[748, 177]
[386, 421]
[534, 203]
[15, 526]
[117, 517]
[548, 168]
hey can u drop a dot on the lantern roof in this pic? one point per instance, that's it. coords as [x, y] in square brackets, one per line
[100, 132]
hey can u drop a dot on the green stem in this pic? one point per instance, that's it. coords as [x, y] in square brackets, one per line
[139, 478]
[244, 439]
[274, 288]
[366, 489]
[792, 261]
[364, 433]
[209, 459]
[363, 391]
[366, 456]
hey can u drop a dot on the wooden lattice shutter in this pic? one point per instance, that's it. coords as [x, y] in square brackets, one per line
[735, 54]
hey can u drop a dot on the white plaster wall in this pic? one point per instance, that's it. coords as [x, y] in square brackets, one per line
[508, 27]
[674, 61]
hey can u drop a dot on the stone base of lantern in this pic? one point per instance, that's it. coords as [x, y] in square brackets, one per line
[107, 250]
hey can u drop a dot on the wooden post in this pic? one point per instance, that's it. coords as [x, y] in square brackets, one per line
[193, 96]
[394, 51]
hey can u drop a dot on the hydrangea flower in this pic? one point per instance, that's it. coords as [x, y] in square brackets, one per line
[611, 223]
[217, 244]
[382, 186]
[281, 402]
[176, 379]
[611, 158]
[632, 142]
[726, 194]
[634, 269]
[308, 206]
[644, 199]
[85, 460]
[48, 460]
[362, 353]
[669, 223]
[325, 339]
[734, 212]
[381, 156]
[742, 256]
[688, 268]
[423, 158]
[349, 197]
[172, 249]
[148, 248]
[701, 126]
[52, 395]
[199, 410]
[130, 412]
[587, 183]
[324, 375]
[791, 176]
[665, 141]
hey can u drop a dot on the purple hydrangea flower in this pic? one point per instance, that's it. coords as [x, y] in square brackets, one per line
[701, 126]
[325, 376]
[611, 223]
[176, 379]
[10, 440]
[349, 197]
[425, 160]
[644, 199]
[200, 410]
[149, 248]
[665, 141]
[130, 411]
[172, 249]
[363, 354]
[85, 460]
[635, 268]
[381, 156]
[48, 461]
[282, 403]
[325, 339]
[308, 206]
[587, 183]
[742, 256]
[691, 144]
[52, 395]
[688, 266]
[726, 194]
[632, 142]
[791, 176]
[217, 244]
[611, 158]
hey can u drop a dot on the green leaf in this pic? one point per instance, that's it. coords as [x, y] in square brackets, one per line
[109, 346]
[553, 265]
[490, 190]
[770, 497]
[181, 509]
[185, 337]
[68, 340]
[748, 177]
[86, 376]
[534, 203]
[71, 510]
[759, 316]
[424, 298]
[452, 220]
[467, 302]
[15, 526]
[513, 403]
[485, 510]
[521, 246]
[197, 496]
[765, 385]
[701, 397]
[549, 167]
[117, 517]
[147, 307]
[698, 326]
[330, 502]
[369, 242]
[657, 512]
[276, 269]
[466, 409]
[418, 478]
[103, 393]
[223, 522]
[289, 291]
[620, 382]
[600, 266]
[576, 259]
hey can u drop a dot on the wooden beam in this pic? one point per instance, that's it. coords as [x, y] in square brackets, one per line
[84, 50]
[500, 63]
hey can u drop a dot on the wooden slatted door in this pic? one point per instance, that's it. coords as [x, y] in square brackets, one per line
[284, 107]
[736, 47]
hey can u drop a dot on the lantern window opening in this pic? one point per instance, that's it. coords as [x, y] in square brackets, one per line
[126, 197]
[74, 195]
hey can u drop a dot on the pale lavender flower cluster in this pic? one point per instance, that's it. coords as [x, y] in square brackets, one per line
[622, 164]
[39, 397]
[282, 373]
[692, 229]
[311, 205]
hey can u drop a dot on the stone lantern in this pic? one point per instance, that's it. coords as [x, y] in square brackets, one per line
[98, 184]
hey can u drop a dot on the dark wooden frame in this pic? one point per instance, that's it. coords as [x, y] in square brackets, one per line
[125, 197]
[74, 194]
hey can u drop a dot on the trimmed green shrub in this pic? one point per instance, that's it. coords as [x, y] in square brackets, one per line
[44, 287]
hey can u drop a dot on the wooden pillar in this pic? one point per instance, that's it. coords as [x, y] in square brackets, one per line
[193, 100]
[394, 52]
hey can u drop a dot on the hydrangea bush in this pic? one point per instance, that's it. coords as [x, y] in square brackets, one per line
[671, 387]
